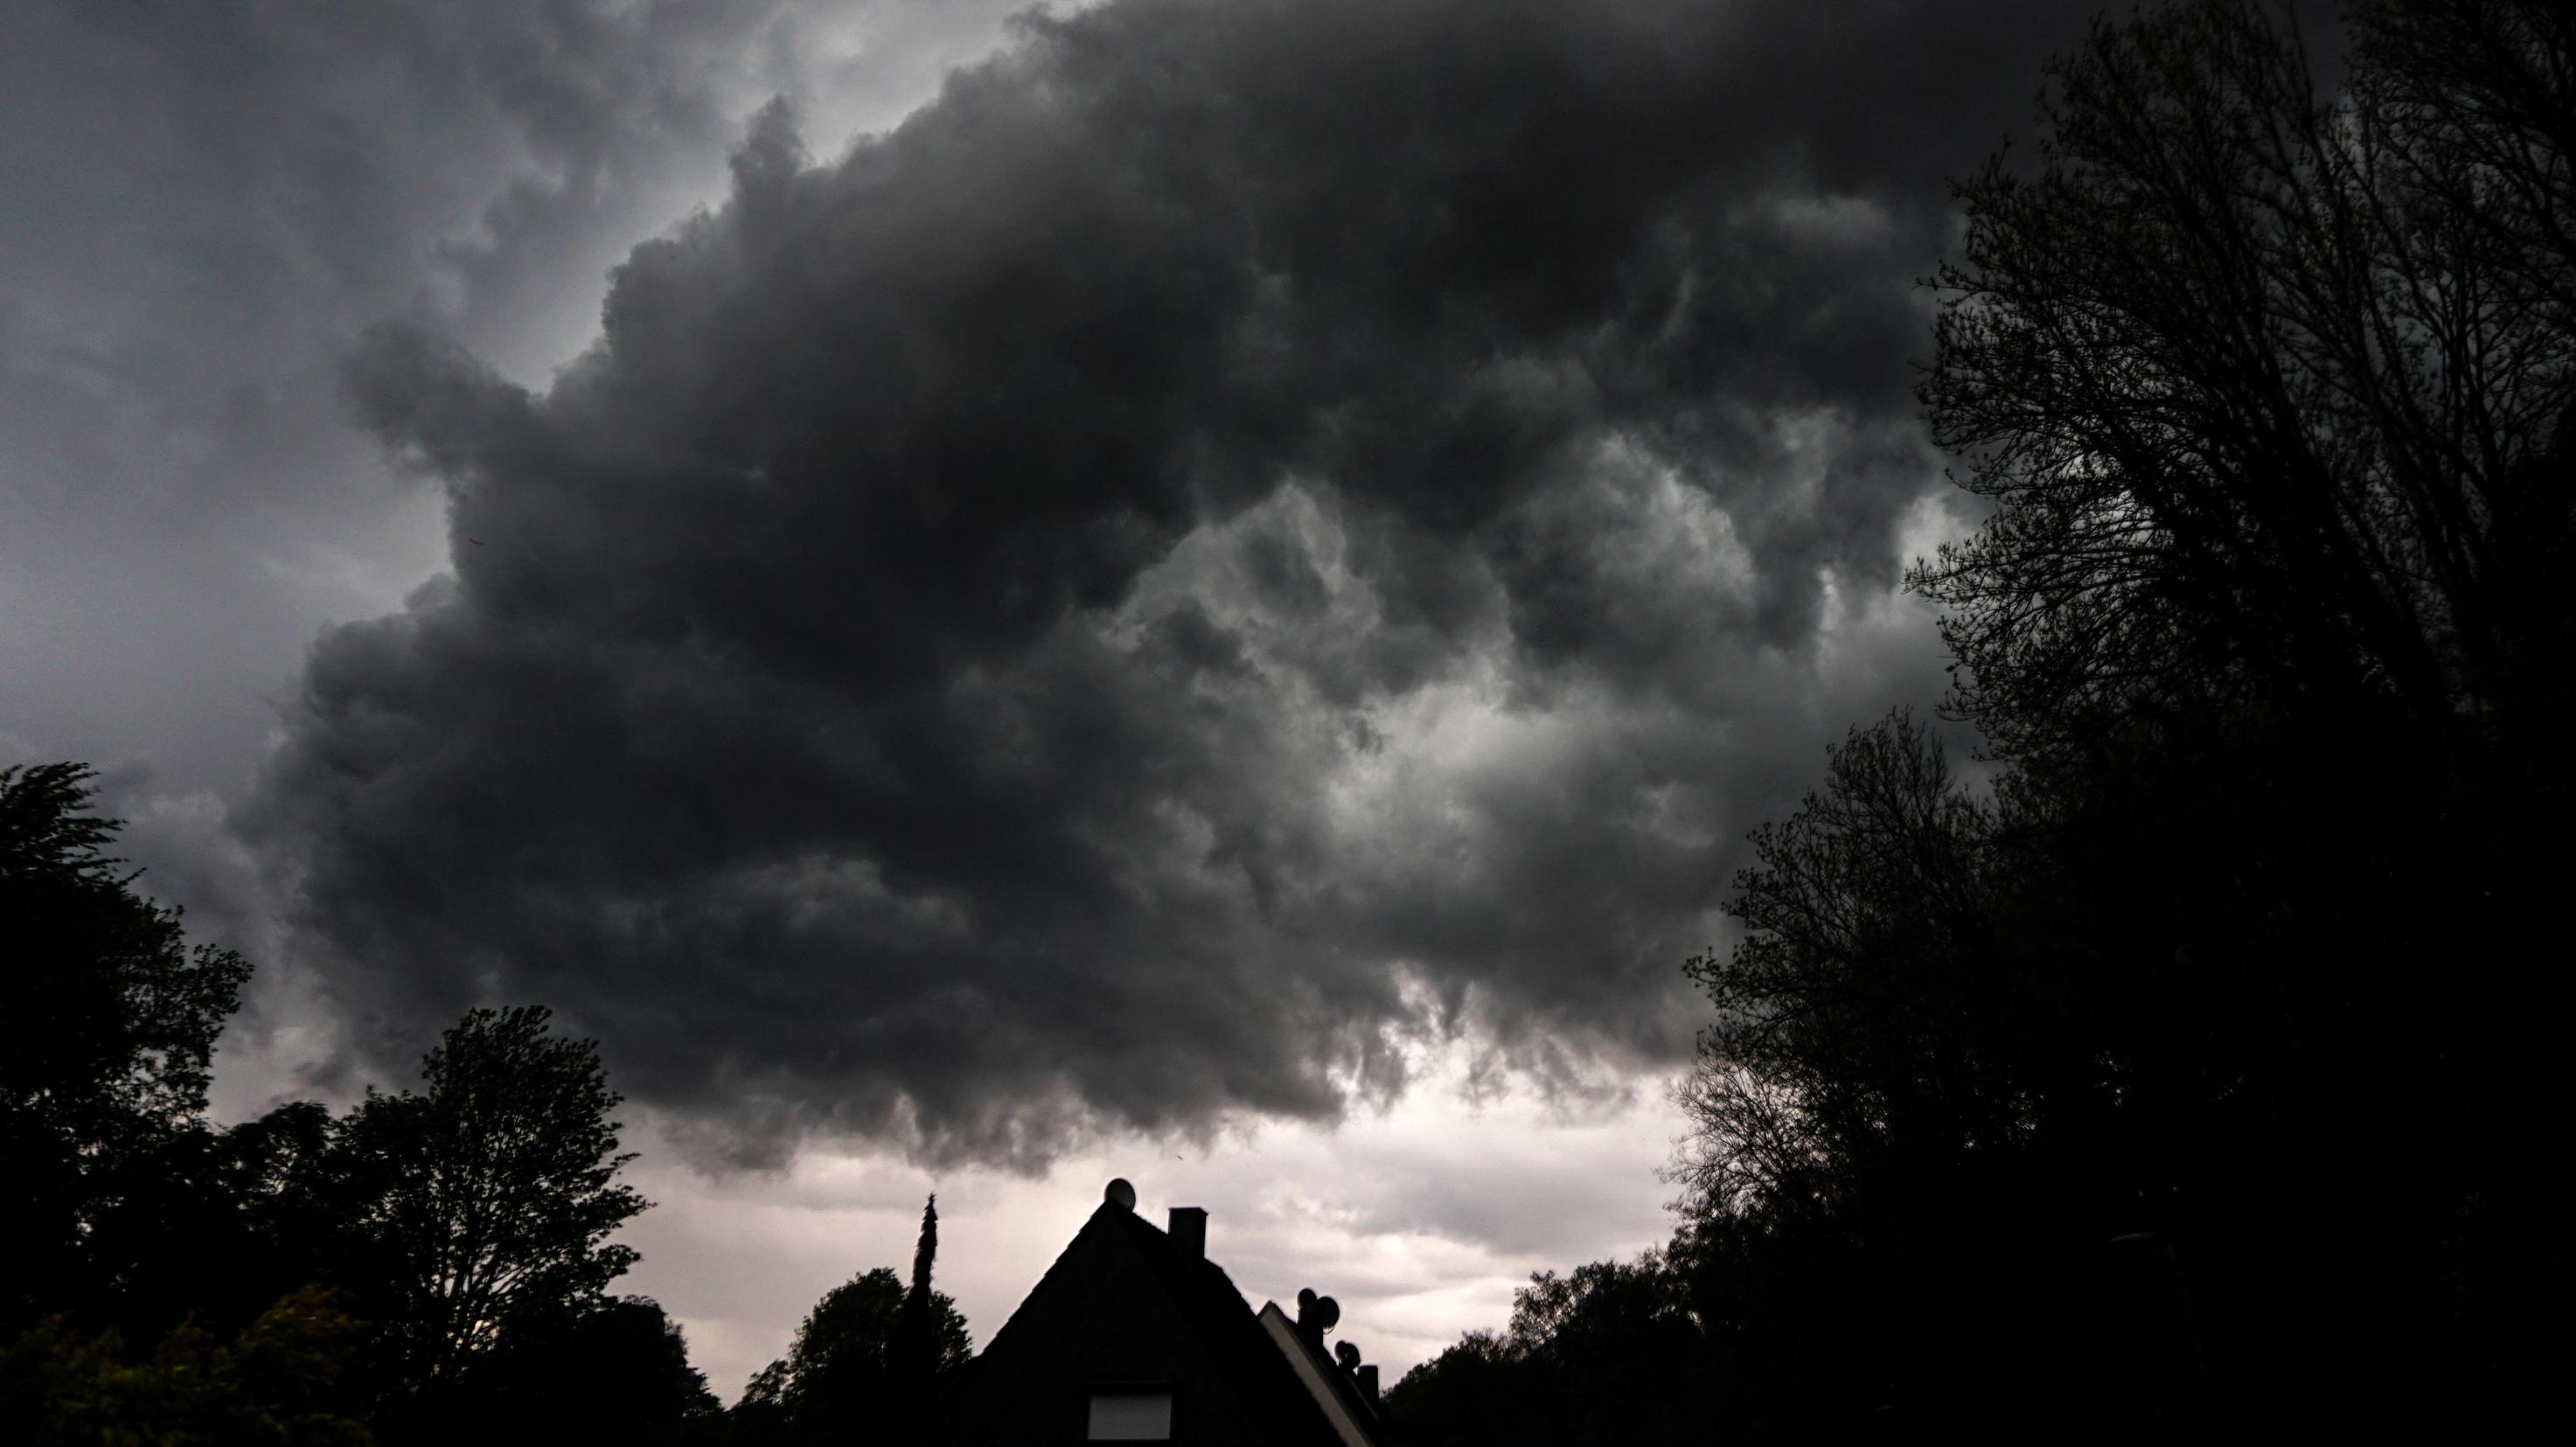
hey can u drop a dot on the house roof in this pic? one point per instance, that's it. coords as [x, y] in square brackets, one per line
[1331, 1388]
[1224, 1321]
[1121, 1268]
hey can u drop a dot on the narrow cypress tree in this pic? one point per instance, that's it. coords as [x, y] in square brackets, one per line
[915, 1364]
[918, 1303]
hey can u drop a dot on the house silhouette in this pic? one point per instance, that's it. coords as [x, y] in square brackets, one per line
[1133, 1335]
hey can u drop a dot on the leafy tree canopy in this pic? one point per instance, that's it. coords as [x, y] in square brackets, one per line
[2097, 1063]
[839, 1377]
[112, 1018]
[1608, 1353]
[612, 1370]
[278, 1384]
[107, 1031]
[492, 1192]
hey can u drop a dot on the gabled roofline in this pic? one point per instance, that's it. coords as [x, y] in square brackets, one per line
[1334, 1395]
[1211, 1307]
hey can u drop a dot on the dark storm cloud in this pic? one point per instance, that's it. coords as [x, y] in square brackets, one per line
[200, 203]
[1242, 532]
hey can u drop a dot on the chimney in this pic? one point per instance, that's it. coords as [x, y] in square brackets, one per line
[1189, 1231]
[1368, 1383]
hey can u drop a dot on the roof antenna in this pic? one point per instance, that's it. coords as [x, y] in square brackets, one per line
[1316, 1315]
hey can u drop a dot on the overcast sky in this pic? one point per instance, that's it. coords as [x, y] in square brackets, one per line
[1196, 589]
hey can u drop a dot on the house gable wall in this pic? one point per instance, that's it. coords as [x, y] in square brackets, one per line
[1107, 1315]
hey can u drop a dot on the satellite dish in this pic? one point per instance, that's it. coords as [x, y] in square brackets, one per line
[1327, 1312]
[1348, 1355]
[1120, 1194]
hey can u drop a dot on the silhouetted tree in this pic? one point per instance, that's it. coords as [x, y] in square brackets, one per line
[294, 1215]
[2276, 394]
[465, 1225]
[1869, 934]
[109, 1022]
[282, 1382]
[838, 1380]
[1609, 1353]
[1918, 1090]
[2081, 1077]
[913, 1358]
[2265, 383]
[1478, 1390]
[611, 1370]
[491, 1194]
[217, 1224]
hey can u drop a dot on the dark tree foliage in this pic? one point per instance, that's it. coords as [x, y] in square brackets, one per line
[279, 1383]
[110, 1023]
[216, 1224]
[615, 1370]
[2188, 1073]
[491, 1193]
[294, 1216]
[916, 1358]
[2268, 385]
[1610, 1353]
[841, 1379]
[1937, 1088]
[435, 1262]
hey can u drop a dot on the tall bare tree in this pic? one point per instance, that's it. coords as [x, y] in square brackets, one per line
[2270, 386]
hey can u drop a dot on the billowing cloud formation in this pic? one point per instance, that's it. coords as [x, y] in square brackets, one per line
[1242, 533]
[204, 202]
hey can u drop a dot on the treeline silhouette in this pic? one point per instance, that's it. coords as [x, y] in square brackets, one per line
[2187, 1069]
[422, 1265]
